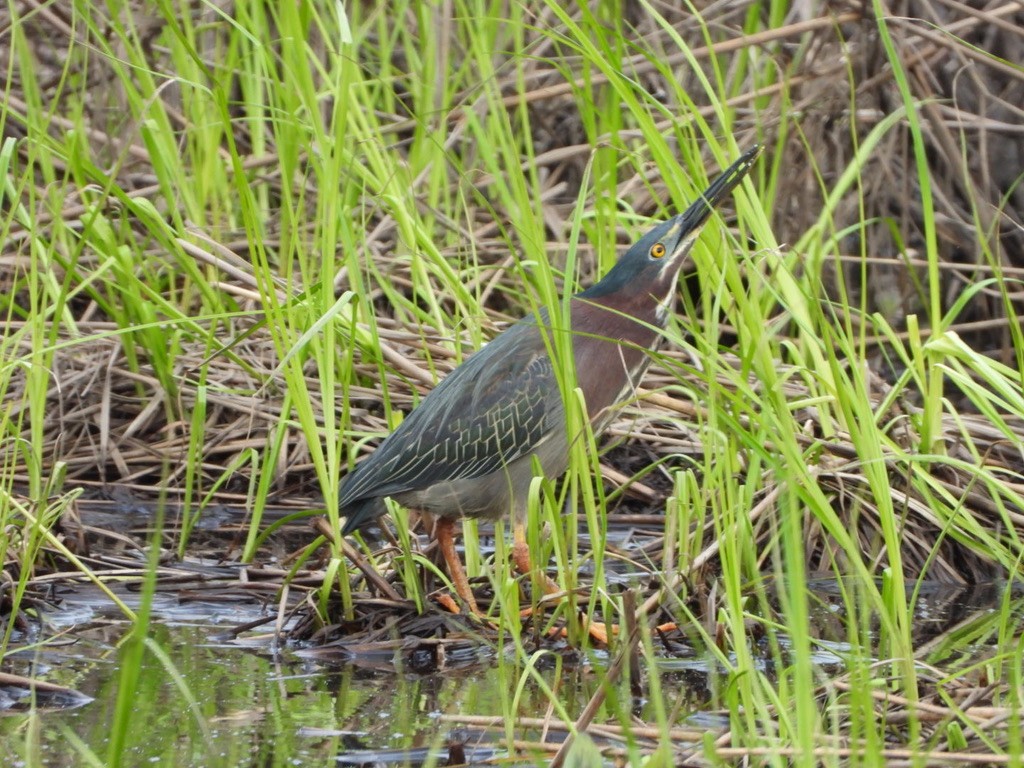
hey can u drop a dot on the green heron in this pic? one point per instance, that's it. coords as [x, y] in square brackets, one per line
[468, 449]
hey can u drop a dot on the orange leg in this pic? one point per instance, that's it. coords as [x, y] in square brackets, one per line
[444, 532]
[521, 558]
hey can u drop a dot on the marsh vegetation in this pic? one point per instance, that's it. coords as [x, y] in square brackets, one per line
[242, 240]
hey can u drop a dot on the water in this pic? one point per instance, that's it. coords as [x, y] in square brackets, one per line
[205, 698]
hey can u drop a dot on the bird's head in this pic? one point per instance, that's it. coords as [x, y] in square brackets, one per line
[651, 265]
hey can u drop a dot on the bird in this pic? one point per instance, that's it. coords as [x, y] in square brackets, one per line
[468, 449]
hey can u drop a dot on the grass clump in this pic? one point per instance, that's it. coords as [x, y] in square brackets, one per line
[240, 248]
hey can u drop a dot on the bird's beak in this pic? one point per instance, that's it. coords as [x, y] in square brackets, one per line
[686, 226]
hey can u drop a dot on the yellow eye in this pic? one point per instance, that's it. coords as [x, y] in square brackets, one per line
[657, 251]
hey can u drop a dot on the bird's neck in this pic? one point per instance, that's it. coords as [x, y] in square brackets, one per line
[633, 318]
[646, 297]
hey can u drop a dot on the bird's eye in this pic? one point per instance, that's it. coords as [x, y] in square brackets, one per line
[658, 251]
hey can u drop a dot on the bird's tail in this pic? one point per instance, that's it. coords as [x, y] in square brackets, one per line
[361, 513]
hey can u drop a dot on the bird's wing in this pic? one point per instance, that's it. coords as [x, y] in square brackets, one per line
[494, 408]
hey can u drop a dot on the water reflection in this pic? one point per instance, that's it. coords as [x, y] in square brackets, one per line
[259, 705]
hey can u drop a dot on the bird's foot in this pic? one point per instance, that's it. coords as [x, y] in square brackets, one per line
[598, 631]
[448, 603]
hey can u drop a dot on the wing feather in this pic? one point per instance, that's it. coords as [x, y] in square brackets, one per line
[494, 408]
